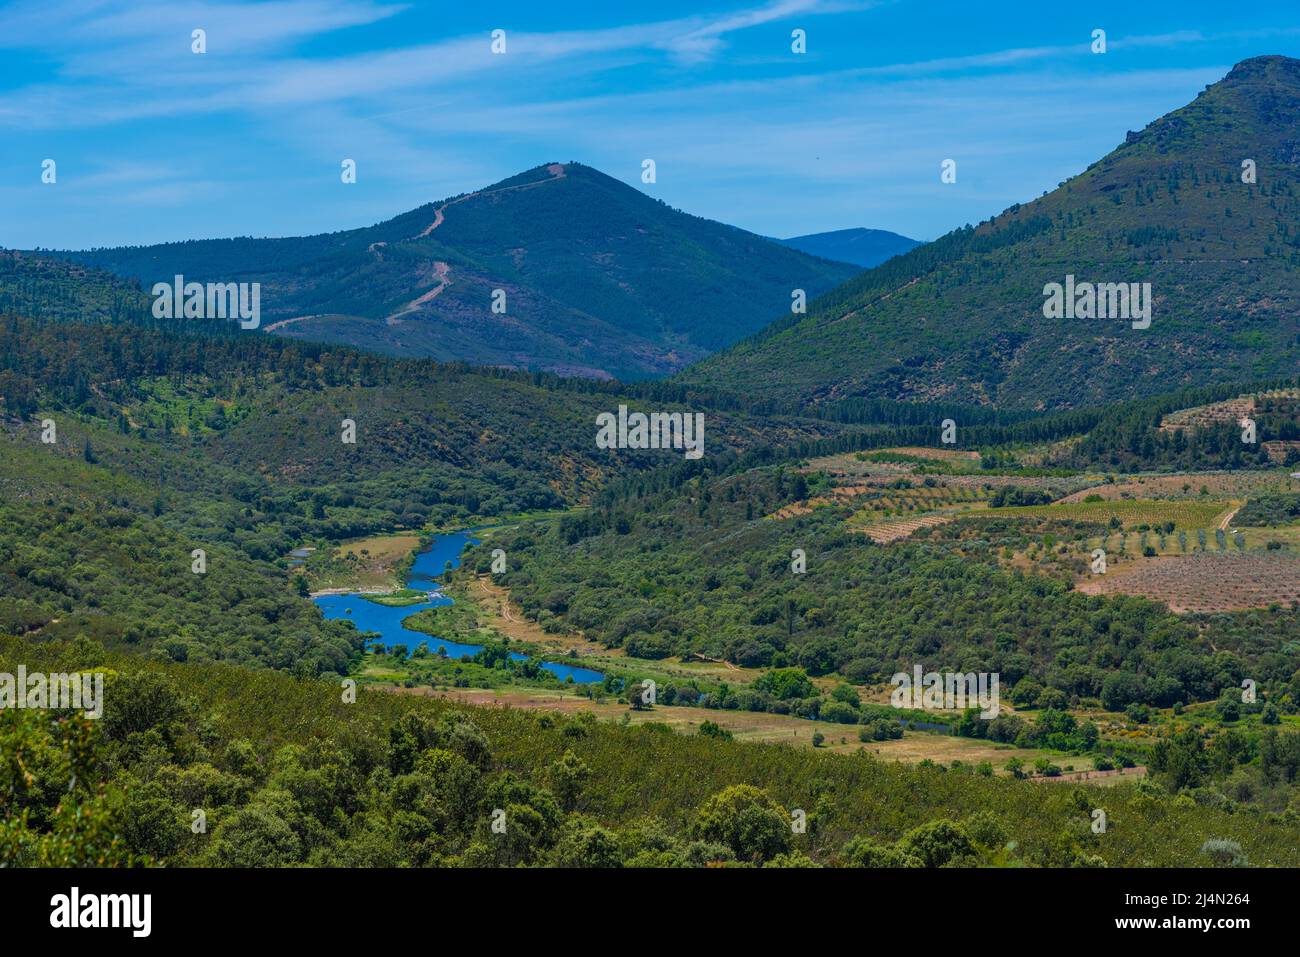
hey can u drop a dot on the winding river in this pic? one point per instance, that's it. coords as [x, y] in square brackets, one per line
[429, 566]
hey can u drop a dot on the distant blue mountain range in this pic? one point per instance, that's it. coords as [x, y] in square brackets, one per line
[860, 247]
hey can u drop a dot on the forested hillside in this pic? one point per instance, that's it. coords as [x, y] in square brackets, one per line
[286, 773]
[163, 443]
[706, 569]
[172, 442]
[962, 318]
[599, 279]
[43, 289]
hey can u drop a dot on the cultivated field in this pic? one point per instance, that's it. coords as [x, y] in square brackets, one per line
[1189, 486]
[1218, 413]
[1130, 512]
[884, 532]
[941, 455]
[1205, 582]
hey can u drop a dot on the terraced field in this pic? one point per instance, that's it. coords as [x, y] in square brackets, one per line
[882, 533]
[890, 502]
[1202, 416]
[1186, 486]
[1219, 413]
[890, 514]
[839, 495]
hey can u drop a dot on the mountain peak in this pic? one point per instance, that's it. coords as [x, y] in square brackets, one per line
[1250, 113]
[1268, 66]
[560, 268]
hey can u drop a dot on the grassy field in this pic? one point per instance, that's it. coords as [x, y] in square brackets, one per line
[760, 727]
[915, 747]
[1286, 535]
[367, 564]
[1130, 512]
[400, 598]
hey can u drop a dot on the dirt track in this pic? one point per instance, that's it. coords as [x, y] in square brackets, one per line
[441, 269]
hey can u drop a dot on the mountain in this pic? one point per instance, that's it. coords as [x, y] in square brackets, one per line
[600, 280]
[861, 247]
[963, 318]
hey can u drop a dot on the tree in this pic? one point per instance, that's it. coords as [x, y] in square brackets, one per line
[255, 836]
[938, 843]
[847, 694]
[567, 777]
[745, 819]
[1224, 853]
[1120, 689]
[584, 843]
[1228, 709]
[711, 729]
[1182, 758]
[864, 852]
[785, 683]
[140, 703]
[636, 696]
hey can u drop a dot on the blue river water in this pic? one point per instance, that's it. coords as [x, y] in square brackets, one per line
[429, 566]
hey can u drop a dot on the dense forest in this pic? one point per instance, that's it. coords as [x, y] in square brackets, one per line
[214, 765]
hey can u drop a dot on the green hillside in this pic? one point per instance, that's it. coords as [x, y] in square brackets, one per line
[223, 689]
[168, 442]
[961, 319]
[43, 289]
[709, 574]
[600, 279]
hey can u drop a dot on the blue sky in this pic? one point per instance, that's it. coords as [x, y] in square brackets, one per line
[156, 143]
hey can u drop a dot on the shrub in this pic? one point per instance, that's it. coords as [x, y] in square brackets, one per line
[745, 819]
